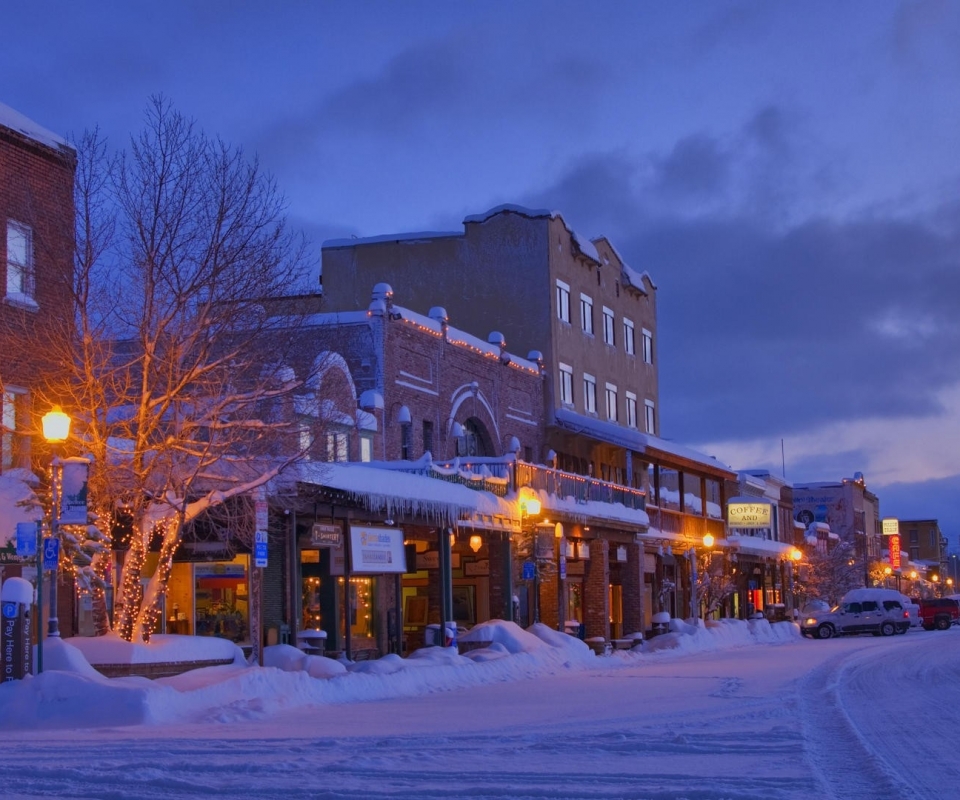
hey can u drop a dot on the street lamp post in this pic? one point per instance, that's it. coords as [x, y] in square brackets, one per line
[531, 508]
[56, 428]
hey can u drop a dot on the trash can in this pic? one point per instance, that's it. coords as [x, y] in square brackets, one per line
[16, 601]
[431, 636]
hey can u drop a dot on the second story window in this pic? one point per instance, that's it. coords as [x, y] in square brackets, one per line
[608, 325]
[337, 447]
[651, 417]
[566, 384]
[586, 313]
[647, 346]
[427, 436]
[611, 402]
[631, 407]
[589, 393]
[563, 301]
[13, 443]
[629, 338]
[20, 282]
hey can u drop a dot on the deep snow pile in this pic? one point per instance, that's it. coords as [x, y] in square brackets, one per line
[72, 694]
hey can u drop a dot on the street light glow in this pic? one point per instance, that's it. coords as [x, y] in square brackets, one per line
[56, 425]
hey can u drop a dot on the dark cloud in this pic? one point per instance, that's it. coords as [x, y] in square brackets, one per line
[696, 166]
[923, 500]
[766, 329]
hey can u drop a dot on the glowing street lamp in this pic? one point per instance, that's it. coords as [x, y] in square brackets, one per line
[56, 429]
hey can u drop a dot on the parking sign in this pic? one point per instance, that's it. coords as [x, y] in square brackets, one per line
[51, 554]
[260, 549]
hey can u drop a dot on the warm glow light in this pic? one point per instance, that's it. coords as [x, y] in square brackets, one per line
[887, 571]
[530, 507]
[56, 425]
[708, 540]
[949, 581]
[476, 543]
[913, 574]
[795, 554]
[935, 578]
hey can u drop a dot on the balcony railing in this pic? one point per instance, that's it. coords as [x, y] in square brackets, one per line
[482, 475]
[580, 487]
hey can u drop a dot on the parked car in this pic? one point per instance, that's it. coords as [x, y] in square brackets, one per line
[874, 611]
[939, 613]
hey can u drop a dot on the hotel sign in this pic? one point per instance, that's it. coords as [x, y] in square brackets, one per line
[749, 515]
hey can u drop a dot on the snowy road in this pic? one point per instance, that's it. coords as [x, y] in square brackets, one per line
[846, 718]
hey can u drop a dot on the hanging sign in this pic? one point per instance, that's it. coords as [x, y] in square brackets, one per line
[749, 515]
[377, 550]
[324, 534]
[891, 526]
[73, 491]
[893, 543]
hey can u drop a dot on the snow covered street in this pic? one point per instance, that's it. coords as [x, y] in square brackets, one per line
[846, 718]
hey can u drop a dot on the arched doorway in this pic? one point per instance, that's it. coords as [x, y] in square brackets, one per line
[476, 440]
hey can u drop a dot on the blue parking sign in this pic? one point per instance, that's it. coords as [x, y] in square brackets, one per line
[26, 539]
[529, 570]
[51, 554]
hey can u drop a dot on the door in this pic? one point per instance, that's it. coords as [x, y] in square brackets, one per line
[850, 618]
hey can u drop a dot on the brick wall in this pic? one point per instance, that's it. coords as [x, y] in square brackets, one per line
[596, 599]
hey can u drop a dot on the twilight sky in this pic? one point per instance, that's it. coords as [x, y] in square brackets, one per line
[788, 174]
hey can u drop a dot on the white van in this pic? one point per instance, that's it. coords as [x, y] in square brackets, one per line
[882, 612]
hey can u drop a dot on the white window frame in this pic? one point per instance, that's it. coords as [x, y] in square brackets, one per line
[611, 398]
[566, 384]
[631, 409]
[589, 393]
[647, 346]
[650, 417]
[563, 301]
[13, 413]
[586, 313]
[629, 337]
[21, 276]
[609, 326]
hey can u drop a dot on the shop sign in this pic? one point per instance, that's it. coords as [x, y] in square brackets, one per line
[428, 560]
[73, 491]
[749, 515]
[26, 539]
[324, 534]
[894, 544]
[219, 571]
[374, 551]
[891, 526]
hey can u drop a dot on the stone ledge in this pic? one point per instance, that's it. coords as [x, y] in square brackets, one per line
[157, 670]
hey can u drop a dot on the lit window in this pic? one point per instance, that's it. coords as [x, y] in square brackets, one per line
[586, 313]
[589, 394]
[366, 448]
[563, 301]
[631, 409]
[651, 418]
[608, 324]
[19, 261]
[647, 346]
[566, 384]
[629, 340]
[611, 402]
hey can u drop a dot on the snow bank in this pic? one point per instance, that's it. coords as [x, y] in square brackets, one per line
[71, 694]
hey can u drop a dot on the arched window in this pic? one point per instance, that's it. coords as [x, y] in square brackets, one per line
[476, 441]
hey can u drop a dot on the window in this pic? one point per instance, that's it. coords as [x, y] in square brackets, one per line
[566, 385]
[631, 410]
[563, 301]
[586, 314]
[337, 447]
[366, 448]
[647, 346]
[650, 418]
[13, 443]
[608, 326]
[629, 340]
[589, 394]
[19, 260]
[405, 440]
[427, 436]
[611, 402]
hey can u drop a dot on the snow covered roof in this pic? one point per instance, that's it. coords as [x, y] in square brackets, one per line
[393, 492]
[407, 238]
[632, 277]
[15, 121]
[637, 441]
[754, 545]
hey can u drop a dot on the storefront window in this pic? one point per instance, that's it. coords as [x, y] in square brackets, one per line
[222, 599]
[575, 601]
[692, 500]
[312, 613]
[360, 608]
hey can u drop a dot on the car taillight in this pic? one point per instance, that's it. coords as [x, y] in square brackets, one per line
[906, 615]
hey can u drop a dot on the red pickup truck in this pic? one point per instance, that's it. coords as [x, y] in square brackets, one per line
[938, 613]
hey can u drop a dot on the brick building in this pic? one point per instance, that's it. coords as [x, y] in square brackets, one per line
[36, 256]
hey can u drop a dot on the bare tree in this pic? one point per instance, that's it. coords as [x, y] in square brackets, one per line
[180, 374]
[714, 584]
[828, 574]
